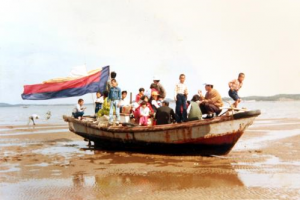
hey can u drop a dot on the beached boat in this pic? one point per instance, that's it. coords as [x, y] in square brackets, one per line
[202, 137]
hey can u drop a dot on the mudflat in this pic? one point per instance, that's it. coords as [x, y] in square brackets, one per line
[49, 162]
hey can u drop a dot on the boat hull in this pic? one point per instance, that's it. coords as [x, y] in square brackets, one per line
[205, 137]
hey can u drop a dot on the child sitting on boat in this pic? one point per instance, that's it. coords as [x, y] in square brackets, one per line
[154, 101]
[78, 111]
[99, 101]
[137, 114]
[105, 106]
[144, 114]
[139, 95]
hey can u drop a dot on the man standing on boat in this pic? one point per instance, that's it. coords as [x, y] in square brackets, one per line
[113, 75]
[158, 86]
[180, 97]
[212, 101]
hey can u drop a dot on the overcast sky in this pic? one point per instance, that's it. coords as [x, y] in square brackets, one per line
[207, 40]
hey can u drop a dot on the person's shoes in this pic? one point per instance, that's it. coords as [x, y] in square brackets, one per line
[209, 116]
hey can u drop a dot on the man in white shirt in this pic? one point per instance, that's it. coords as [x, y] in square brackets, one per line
[32, 118]
[124, 102]
[180, 97]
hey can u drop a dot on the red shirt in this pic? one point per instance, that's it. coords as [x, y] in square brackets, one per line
[137, 98]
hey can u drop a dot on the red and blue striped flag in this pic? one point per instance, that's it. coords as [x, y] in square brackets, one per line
[68, 87]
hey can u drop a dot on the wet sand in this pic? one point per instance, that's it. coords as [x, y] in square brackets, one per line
[49, 162]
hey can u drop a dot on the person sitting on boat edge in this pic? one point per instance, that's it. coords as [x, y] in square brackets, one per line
[194, 111]
[78, 111]
[124, 102]
[137, 110]
[165, 114]
[235, 86]
[158, 86]
[105, 106]
[211, 103]
[115, 97]
[144, 114]
[180, 97]
[99, 101]
[139, 95]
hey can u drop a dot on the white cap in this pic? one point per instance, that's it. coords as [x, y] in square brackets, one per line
[156, 78]
[208, 83]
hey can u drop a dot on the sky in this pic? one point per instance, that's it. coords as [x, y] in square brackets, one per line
[209, 41]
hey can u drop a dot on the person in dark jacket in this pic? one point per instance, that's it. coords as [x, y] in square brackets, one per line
[165, 114]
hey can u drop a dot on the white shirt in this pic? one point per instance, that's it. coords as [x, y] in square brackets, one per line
[35, 116]
[100, 100]
[180, 88]
[145, 112]
[78, 108]
[155, 103]
[124, 102]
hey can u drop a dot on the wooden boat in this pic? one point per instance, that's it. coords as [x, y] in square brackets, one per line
[202, 137]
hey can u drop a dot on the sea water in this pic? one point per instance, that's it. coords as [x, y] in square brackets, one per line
[19, 115]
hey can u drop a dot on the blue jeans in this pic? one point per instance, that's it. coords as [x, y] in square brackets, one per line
[114, 104]
[181, 102]
[77, 114]
[98, 107]
[234, 95]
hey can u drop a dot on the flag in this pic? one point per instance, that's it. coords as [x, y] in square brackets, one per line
[93, 82]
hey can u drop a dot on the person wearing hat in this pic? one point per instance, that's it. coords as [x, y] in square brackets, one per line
[165, 114]
[154, 100]
[212, 102]
[158, 86]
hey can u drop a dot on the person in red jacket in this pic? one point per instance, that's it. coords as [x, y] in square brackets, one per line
[137, 110]
[139, 95]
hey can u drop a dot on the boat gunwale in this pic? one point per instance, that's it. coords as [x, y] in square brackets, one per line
[157, 128]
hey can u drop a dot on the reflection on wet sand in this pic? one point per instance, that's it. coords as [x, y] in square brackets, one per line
[59, 165]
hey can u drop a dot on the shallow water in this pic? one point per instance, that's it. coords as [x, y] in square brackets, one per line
[19, 115]
[49, 162]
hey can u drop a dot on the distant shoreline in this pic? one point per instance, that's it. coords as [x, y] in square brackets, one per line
[279, 97]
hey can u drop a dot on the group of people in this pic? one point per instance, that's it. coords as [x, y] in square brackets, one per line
[155, 109]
